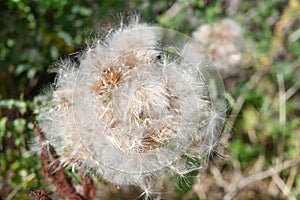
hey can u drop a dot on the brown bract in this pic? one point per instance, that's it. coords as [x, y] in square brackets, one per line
[111, 76]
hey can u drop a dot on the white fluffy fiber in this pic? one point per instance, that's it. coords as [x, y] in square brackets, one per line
[223, 42]
[131, 112]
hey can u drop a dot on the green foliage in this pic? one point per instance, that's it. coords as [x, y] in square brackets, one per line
[19, 164]
[245, 153]
[37, 33]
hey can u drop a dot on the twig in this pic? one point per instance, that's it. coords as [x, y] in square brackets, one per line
[282, 100]
[292, 90]
[20, 186]
[175, 9]
[282, 112]
[259, 176]
[282, 186]
[258, 165]
[218, 177]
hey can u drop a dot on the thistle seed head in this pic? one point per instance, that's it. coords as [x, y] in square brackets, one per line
[223, 42]
[138, 106]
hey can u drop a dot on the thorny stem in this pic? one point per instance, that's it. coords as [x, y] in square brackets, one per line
[89, 189]
[39, 195]
[52, 169]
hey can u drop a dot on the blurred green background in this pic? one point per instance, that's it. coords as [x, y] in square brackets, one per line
[262, 160]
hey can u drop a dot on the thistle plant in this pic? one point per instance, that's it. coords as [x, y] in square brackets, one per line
[139, 103]
[223, 42]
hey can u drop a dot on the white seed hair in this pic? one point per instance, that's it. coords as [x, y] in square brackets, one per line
[131, 112]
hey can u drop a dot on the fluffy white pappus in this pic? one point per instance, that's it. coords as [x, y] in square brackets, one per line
[138, 106]
[223, 42]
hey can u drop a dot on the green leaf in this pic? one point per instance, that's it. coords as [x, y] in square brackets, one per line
[19, 125]
[2, 128]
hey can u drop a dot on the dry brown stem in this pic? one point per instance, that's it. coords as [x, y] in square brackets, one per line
[242, 183]
[53, 170]
[39, 195]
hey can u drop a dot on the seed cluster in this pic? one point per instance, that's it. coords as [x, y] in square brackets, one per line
[223, 42]
[136, 109]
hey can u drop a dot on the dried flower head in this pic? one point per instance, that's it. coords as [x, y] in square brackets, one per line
[224, 43]
[138, 106]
